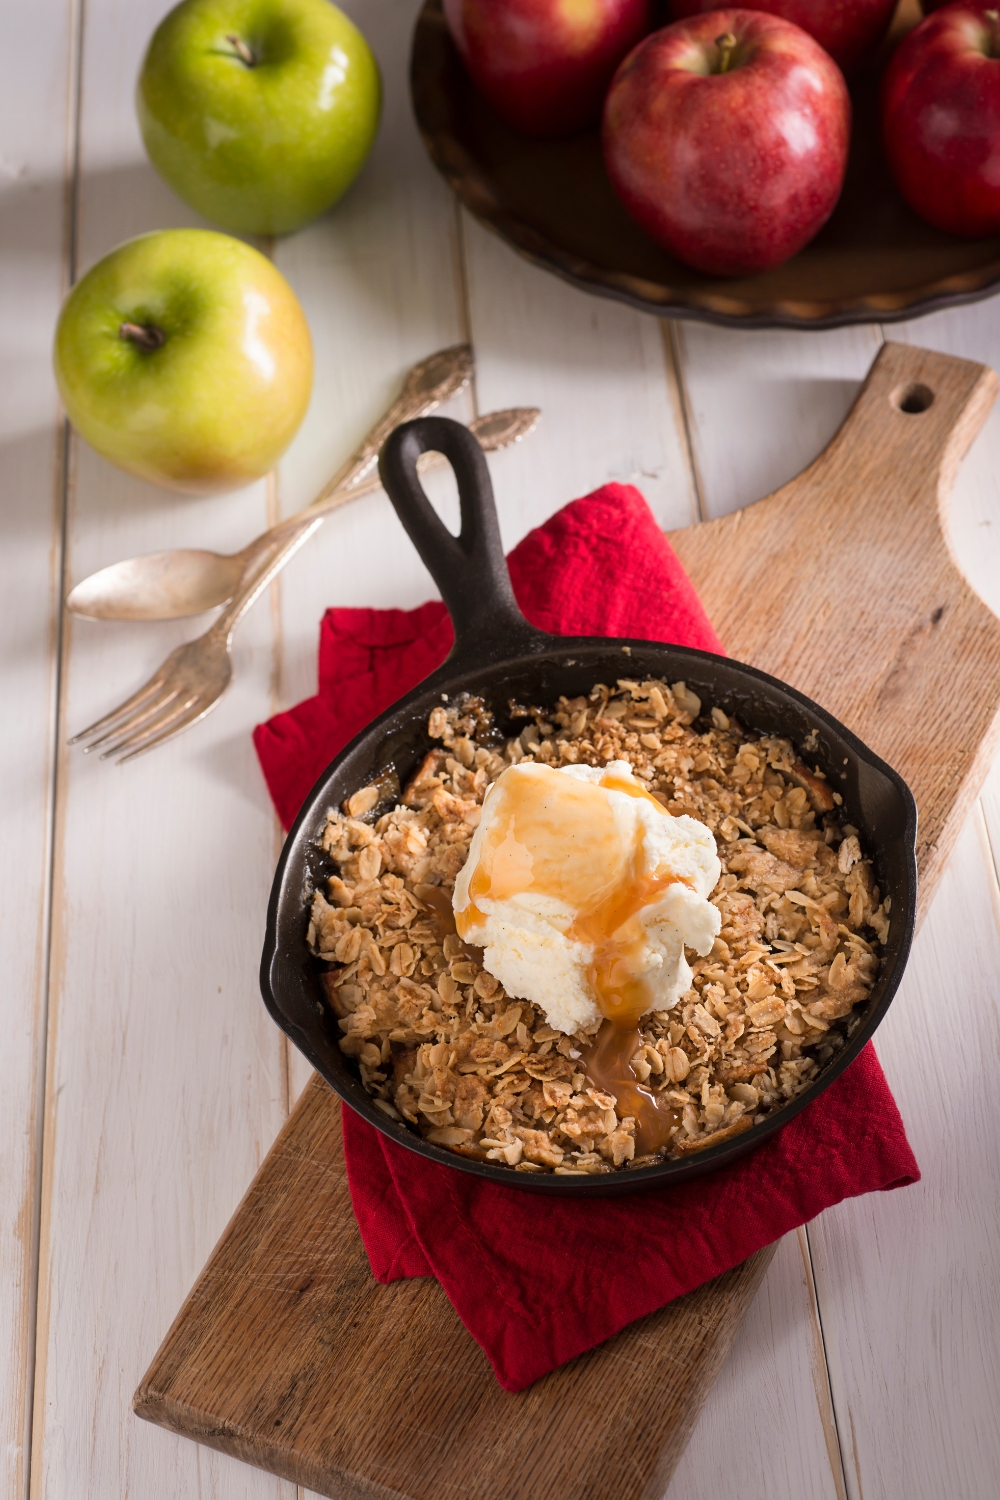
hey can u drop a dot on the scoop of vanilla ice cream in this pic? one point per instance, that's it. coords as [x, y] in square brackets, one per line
[549, 853]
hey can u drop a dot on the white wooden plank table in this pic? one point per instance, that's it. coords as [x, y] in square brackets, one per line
[142, 1079]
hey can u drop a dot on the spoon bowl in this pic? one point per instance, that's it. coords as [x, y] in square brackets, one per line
[158, 586]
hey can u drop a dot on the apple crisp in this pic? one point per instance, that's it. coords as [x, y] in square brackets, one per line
[441, 1046]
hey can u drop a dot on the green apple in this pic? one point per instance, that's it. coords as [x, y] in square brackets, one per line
[258, 113]
[185, 357]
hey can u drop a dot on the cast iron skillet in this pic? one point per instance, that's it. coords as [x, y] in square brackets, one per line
[502, 658]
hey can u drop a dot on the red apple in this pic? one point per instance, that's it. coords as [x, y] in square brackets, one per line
[941, 118]
[848, 29]
[545, 65]
[725, 136]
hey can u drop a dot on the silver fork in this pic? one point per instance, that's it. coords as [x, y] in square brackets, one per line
[194, 676]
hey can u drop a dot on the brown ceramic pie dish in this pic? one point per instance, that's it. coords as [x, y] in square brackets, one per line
[874, 261]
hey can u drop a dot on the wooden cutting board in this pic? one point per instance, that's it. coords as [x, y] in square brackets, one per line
[287, 1353]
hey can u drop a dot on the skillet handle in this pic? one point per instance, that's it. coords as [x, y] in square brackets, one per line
[470, 569]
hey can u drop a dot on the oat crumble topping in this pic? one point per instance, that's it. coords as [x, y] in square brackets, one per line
[440, 1045]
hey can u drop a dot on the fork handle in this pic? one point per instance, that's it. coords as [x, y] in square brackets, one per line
[267, 558]
[429, 383]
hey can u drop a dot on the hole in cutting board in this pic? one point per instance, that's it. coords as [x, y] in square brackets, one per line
[912, 399]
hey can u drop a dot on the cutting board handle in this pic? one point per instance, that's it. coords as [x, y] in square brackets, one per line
[913, 402]
[849, 587]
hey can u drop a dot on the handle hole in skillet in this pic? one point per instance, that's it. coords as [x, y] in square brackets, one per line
[912, 399]
[438, 480]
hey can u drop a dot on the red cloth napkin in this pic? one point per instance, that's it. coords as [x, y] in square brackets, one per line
[538, 1280]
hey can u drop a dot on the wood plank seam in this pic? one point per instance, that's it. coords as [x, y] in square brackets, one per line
[990, 857]
[465, 299]
[62, 484]
[275, 511]
[61, 490]
[840, 1473]
[673, 350]
[53, 970]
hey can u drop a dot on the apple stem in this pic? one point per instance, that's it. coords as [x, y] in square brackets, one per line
[147, 336]
[243, 52]
[726, 44]
[993, 17]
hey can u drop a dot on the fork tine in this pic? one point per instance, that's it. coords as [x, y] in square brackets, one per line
[197, 709]
[134, 734]
[137, 698]
[150, 710]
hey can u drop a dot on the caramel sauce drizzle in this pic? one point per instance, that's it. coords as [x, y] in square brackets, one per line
[608, 1064]
[551, 835]
[438, 902]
